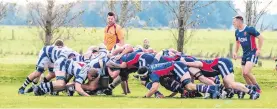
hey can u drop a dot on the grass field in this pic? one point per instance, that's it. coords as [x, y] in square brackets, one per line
[19, 55]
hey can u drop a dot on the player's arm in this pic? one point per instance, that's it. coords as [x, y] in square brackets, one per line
[120, 36]
[196, 64]
[260, 42]
[173, 94]
[154, 88]
[158, 56]
[124, 50]
[115, 65]
[257, 34]
[237, 46]
[79, 89]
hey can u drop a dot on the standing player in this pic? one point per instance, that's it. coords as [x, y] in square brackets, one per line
[245, 36]
[113, 33]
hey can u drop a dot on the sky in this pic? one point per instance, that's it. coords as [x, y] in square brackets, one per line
[240, 4]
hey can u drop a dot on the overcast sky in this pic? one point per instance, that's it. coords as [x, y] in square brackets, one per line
[239, 4]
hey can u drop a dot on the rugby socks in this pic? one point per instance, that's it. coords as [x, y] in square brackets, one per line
[258, 87]
[249, 86]
[255, 87]
[111, 87]
[46, 87]
[27, 81]
[217, 80]
[250, 92]
[115, 83]
[205, 88]
[148, 85]
[34, 83]
[236, 91]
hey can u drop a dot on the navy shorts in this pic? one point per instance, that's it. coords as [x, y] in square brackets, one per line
[251, 56]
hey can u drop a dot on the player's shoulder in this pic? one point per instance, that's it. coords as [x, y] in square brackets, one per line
[117, 26]
[249, 28]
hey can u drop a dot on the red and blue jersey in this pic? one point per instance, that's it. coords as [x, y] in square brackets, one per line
[132, 59]
[162, 69]
[164, 59]
[210, 67]
[246, 38]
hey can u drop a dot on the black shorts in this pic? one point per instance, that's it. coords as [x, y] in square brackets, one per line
[124, 73]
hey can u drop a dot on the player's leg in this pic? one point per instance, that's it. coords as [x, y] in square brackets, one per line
[226, 70]
[116, 81]
[112, 85]
[113, 72]
[243, 62]
[51, 73]
[182, 72]
[34, 83]
[247, 71]
[57, 85]
[48, 87]
[229, 82]
[195, 72]
[43, 60]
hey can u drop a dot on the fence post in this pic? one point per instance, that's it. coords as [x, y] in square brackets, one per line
[13, 34]
[230, 50]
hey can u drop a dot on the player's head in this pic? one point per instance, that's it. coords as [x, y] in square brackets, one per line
[146, 44]
[93, 49]
[71, 55]
[92, 74]
[237, 21]
[143, 71]
[59, 43]
[111, 18]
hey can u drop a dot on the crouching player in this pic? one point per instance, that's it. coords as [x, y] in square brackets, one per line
[223, 67]
[47, 57]
[62, 67]
[180, 72]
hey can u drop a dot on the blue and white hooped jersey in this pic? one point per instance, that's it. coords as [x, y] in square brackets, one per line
[79, 58]
[54, 52]
[74, 68]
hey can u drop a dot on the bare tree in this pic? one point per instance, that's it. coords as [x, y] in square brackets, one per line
[125, 10]
[3, 9]
[252, 14]
[54, 19]
[182, 11]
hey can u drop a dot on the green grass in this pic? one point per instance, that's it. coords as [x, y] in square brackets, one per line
[12, 76]
[9, 98]
[27, 42]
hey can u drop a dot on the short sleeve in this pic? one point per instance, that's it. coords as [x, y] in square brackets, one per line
[253, 31]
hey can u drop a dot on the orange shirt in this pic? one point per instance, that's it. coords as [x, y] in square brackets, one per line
[113, 34]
